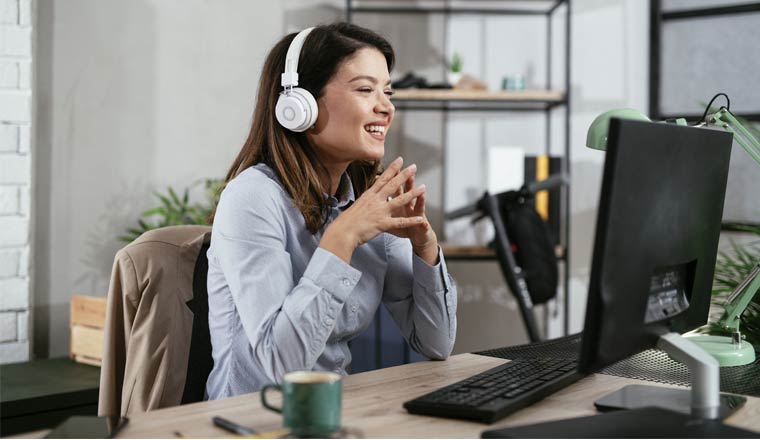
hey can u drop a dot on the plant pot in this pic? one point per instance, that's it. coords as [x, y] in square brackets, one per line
[453, 78]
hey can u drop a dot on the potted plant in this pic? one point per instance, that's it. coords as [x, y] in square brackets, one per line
[455, 69]
[175, 210]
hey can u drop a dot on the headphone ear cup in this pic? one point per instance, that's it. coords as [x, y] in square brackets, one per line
[296, 111]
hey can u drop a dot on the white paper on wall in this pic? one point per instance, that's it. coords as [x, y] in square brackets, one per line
[506, 168]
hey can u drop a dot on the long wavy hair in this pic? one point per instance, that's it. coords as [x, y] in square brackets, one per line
[287, 153]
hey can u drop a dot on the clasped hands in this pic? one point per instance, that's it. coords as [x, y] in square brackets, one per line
[392, 204]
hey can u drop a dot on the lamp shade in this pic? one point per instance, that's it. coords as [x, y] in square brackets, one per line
[596, 137]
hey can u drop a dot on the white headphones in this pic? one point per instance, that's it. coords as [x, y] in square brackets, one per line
[296, 108]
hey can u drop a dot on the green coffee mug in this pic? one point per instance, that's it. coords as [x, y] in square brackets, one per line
[311, 402]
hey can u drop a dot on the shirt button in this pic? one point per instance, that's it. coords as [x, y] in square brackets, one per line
[353, 309]
[328, 321]
[346, 282]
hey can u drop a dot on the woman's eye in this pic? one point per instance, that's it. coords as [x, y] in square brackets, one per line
[389, 92]
[365, 90]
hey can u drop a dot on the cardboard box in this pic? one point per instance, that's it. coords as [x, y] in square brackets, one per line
[88, 318]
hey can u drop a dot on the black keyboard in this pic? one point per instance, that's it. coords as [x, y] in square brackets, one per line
[498, 392]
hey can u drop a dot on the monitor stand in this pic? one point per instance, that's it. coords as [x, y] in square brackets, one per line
[704, 400]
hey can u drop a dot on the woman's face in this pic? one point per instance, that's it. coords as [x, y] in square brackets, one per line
[355, 111]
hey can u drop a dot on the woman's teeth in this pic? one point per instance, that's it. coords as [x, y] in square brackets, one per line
[375, 128]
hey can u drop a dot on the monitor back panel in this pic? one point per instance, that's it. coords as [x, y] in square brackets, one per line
[656, 238]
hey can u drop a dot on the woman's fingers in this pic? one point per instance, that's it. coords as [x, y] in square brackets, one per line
[419, 205]
[401, 222]
[408, 187]
[388, 174]
[392, 186]
[408, 197]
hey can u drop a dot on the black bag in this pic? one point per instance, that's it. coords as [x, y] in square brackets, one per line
[532, 247]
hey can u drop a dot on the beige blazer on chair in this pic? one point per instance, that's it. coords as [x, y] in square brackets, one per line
[148, 324]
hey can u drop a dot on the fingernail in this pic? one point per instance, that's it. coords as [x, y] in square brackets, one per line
[423, 187]
[398, 159]
[418, 219]
[413, 167]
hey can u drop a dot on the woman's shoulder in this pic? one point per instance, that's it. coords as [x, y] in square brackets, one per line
[255, 191]
[257, 182]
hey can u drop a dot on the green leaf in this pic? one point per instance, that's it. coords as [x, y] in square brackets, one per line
[127, 238]
[135, 232]
[167, 203]
[154, 211]
[174, 197]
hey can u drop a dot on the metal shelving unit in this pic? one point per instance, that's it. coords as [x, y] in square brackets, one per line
[544, 100]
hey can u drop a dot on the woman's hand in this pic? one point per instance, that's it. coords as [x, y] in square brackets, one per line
[377, 210]
[422, 235]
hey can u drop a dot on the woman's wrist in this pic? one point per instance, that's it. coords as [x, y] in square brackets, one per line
[428, 252]
[339, 242]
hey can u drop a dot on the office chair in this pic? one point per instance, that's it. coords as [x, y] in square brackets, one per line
[200, 361]
[157, 347]
[523, 245]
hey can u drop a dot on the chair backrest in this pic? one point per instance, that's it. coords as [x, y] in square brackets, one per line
[200, 361]
[158, 286]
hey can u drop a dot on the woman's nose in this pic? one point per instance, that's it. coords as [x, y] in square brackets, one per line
[385, 106]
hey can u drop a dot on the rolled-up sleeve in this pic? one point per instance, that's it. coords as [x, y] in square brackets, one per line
[421, 298]
[287, 322]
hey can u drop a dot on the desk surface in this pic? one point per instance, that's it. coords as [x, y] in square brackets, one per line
[372, 404]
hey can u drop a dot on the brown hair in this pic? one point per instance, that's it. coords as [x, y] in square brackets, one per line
[287, 153]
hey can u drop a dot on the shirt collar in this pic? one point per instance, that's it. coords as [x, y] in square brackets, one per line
[345, 194]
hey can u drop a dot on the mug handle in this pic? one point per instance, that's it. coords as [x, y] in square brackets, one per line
[264, 397]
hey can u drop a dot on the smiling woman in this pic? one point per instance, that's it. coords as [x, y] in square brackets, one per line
[310, 234]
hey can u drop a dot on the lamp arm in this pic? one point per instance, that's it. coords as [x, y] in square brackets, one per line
[739, 299]
[723, 118]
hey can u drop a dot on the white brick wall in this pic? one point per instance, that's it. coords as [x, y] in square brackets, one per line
[8, 12]
[16, 147]
[9, 200]
[8, 137]
[8, 74]
[9, 263]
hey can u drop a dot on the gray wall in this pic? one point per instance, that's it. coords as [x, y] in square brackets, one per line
[135, 96]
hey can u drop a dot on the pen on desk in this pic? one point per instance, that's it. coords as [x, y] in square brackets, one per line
[232, 427]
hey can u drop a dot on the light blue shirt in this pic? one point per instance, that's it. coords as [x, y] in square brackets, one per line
[279, 303]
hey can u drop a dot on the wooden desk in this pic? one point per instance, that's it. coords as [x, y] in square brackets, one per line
[372, 404]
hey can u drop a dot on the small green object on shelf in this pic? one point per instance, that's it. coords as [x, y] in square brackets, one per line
[732, 351]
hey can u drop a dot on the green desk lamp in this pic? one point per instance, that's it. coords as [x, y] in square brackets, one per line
[729, 351]
[597, 132]
[732, 351]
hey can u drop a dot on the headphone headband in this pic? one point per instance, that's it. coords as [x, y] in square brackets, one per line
[290, 76]
[296, 108]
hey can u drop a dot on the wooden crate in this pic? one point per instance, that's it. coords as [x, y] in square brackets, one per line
[88, 318]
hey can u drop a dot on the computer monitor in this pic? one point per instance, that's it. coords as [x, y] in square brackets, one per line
[655, 248]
